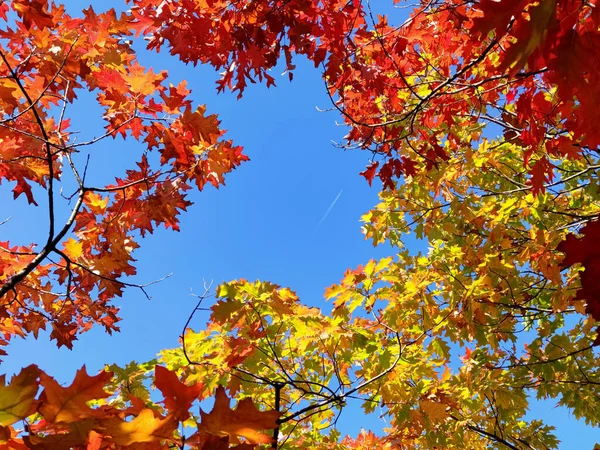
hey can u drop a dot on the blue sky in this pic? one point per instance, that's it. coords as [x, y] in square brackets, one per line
[267, 223]
[262, 224]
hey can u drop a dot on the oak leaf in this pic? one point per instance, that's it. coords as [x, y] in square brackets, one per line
[178, 397]
[245, 421]
[17, 400]
[370, 171]
[60, 404]
[146, 427]
[69, 436]
[33, 12]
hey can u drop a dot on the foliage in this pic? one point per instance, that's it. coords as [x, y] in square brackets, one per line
[450, 346]
[82, 416]
[68, 281]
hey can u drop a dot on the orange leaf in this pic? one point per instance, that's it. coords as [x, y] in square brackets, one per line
[246, 420]
[76, 437]
[69, 404]
[144, 428]
[434, 410]
[178, 396]
[96, 202]
[140, 82]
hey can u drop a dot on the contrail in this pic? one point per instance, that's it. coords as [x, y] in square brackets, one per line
[328, 211]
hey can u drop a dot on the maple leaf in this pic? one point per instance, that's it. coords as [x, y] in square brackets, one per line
[204, 127]
[17, 400]
[59, 404]
[73, 248]
[245, 421]
[178, 397]
[223, 311]
[409, 166]
[96, 203]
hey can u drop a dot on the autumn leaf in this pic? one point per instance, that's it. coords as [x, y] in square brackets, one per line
[144, 428]
[530, 34]
[434, 410]
[224, 310]
[370, 171]
[245, 421]
[34, 12]
[73, 435]
[178, 397]
[141, 82]
[17, 400]
[59, 404]
[96, 202]
[73, 248]
[541, 173]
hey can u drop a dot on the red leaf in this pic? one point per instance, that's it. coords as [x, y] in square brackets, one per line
[541, 173]
[586, 251]
[23, 187]
[369, 172]
[33, 11]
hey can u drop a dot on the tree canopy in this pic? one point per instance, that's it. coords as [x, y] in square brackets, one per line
[479, 120]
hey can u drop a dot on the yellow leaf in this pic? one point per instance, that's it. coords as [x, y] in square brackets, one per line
[144, 428]
[17, 400]
[144, 83]
[96, 202]
[73, 248]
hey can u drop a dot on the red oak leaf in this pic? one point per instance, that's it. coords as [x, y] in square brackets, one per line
[369, 172]
[246, 420]
[178, 396]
